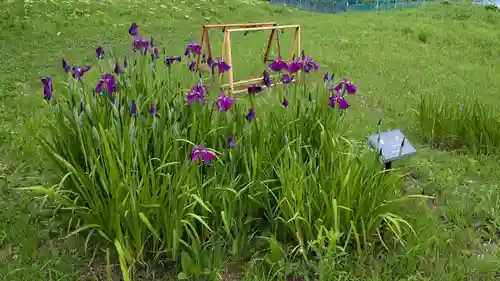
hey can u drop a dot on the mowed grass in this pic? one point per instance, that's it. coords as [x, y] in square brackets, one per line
[393, 57]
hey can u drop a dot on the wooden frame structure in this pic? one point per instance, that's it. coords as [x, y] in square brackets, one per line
[245, 28]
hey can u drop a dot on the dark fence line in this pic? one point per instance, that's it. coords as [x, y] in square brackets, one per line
[340, 6]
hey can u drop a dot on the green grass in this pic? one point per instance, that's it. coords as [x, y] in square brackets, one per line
[394, 58]
[459, 124]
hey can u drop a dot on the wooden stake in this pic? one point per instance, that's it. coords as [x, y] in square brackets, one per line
[268, 49]
[209, 48]
[294, 44]
[229, 60]
[203, 31]
[298, 45]
[278, 42]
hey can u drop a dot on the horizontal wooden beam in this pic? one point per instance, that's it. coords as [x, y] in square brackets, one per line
[278, 27]
[240, 24]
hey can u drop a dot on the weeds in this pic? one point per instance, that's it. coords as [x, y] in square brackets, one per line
[465, 124]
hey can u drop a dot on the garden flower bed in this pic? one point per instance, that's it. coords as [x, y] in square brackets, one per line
[160, 174]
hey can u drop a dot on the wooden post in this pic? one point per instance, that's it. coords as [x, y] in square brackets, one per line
[268, 49]
[209, 48]
[294, 44]
[278, 43]
[203, 31]
[298, 45]
[227, 35]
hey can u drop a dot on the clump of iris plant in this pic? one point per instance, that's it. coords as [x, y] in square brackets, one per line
[202, 155]
[47, 88]
[197, 94]
[224, 102]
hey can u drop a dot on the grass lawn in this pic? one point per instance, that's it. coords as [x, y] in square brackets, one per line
[394, 57]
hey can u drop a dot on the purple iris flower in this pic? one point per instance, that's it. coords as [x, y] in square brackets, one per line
[193, 48]
[133, 30]
[337, 99]
[224, 102]
[78, 72]
[309, 64]
[140, 44]
[118, 68]
[201, 154]
[230, 142]
[170, 60]
[156, 54]
[153, 110]
[125, 63]
[47, 88]
[347, 86]
[287, 79]
[222, 66]
[197, 93]
[250, 115]
[295, 66]
[254, 89]
[133, 109]
[192, 66]
[327, 77]
[65, 65]
[106, 83]
[285, 103]
[267, 79]
[278, 65]
[99, 52]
